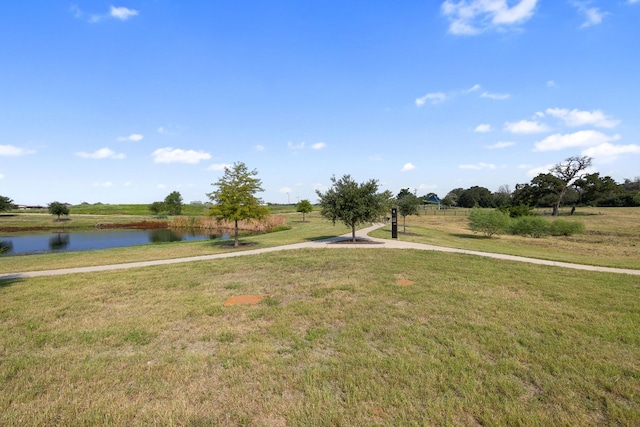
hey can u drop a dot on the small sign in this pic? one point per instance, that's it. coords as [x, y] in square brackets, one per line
[394, 223]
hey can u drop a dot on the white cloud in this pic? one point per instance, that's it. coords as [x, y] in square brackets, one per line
[496, 96]
[473, 88]
[551, 83]
[576, 118]
[133, 137]
[160, 129]
[285, 190]
[102, 153]
[434, 98]
[408, 167]
[633, 1]
[177, 155]
[470, 17]
[318, 146]
[293, 146]
[161, 186]
[483, 128]
[538, 170]
[106, 184]
[1, 176]
[478, 166]
[375, 157]
[11, 150]
[607, 152]
[219, 166]
[260, 147]
[122, 13]
[499, 145]
[593, 16]
[525, 127]
[583, 138]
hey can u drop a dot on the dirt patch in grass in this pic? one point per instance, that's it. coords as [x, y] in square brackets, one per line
[245, 300]
[404, 282]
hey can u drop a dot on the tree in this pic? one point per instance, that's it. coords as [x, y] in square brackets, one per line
[234, 199]
[407, 205]
[157, 208]
[57, 208]
[489, 222]
[304, 207]
[6, 204]
[475, 196]
[173, 203]
[567, 172]
[353, 203]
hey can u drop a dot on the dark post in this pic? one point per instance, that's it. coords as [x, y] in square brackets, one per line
[394, 223]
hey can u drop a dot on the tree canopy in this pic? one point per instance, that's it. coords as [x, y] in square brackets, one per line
[353, 203]
[235, 198]
[6, 204]
[408, 205]
[566, 172]
[57, 208]
[173, 203]
[304, 207]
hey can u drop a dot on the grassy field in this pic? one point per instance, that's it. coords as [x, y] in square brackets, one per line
[612, 237]
[464, 341]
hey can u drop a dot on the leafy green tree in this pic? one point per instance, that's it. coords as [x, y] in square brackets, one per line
[353, 203]
[489, 222]
[157, 208]
[403, 192]
[173, 203]
[57, 208]
[304, 207]
[6, 204]
[407, 205]
[234, 199]
[475, 196]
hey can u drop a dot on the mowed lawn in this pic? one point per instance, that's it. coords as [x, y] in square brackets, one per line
[346, 337]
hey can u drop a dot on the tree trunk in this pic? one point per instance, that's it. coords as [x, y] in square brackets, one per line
[353, 233]
[235, 243]
[404, 224]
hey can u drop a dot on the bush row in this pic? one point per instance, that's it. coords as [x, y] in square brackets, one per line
[492, 222]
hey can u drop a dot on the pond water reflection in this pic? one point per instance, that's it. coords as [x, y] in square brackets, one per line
[102, 239]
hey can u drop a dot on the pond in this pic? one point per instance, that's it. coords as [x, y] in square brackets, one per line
[36, 243]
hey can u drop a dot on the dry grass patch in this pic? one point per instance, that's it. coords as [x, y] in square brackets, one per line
[472, 341]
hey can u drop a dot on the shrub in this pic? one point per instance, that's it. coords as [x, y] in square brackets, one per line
[562, 227]
[518, 211]
[533, 226]
[489, 222]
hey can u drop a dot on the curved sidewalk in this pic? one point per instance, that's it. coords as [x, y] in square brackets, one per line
[327, 243]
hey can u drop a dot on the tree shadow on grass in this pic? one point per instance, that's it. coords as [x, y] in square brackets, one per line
[471, 236]
[8, 281]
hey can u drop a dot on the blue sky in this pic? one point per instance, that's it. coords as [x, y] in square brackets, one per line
[125, 102]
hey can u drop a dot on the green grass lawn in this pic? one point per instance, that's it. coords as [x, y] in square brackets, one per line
[472, 341]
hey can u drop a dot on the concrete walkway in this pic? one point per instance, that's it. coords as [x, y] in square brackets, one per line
[372, 243]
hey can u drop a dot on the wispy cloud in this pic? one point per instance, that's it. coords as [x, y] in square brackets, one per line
[119, 13]
[583, 138]
[133, 137]
[177, 155]
[13, 151]
[319, 146]
[478, 166]
[219, 166]
[471, 17]
[260, 147]
[483, 128]
[607, 152]
[525, 127]
[575, 118]
[592, 15]
[433, 98]
[499, 145]
[293, 146]
[408, 167]
[496, 96]
[106, 184]
[285, 190]
[122, 13]
[102, 153]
